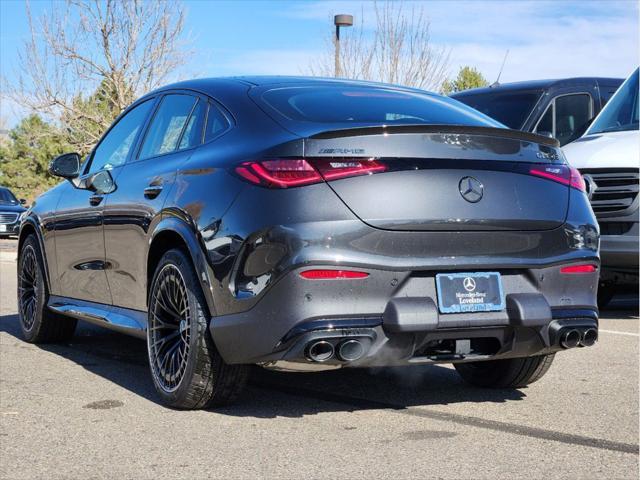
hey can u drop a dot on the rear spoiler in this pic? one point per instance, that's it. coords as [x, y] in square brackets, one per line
[453, 129]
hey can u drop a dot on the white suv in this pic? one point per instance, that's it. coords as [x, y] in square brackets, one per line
[608, 155]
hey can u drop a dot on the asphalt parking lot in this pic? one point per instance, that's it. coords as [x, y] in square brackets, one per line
[87, 409]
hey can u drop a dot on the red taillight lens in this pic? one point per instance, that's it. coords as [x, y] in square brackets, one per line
[296, 172]
[577, 181]
[336, 168]
[282, 173]
[579, 269]
[561, 174]
[332, 274]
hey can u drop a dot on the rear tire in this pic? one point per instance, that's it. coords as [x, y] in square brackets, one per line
[38, 323]
[508, 373]
[187, 370]
[605, 294]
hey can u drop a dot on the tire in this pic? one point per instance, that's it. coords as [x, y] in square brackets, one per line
[508, 373]
[38, 323]
[187, 370]
[605, 294]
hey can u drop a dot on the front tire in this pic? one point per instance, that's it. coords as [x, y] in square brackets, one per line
[38, 323]
[187, 370]
[508, 373]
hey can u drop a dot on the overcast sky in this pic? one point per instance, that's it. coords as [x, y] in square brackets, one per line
[546, 39]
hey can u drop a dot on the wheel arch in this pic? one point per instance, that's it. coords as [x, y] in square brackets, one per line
[29, 227]
[172, 232]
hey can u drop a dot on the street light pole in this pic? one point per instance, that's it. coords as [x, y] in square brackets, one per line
[340, 21]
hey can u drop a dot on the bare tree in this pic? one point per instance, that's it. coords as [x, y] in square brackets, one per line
[398, 51]
[85, 62]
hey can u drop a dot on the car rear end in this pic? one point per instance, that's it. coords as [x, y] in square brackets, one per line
[400, 243]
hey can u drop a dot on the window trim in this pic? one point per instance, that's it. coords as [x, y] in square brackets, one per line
[137, 157]
[552, 105]
[230, 121]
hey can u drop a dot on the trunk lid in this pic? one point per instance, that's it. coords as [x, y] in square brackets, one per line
[448, 178]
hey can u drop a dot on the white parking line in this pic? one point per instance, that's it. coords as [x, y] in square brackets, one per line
[619, 333]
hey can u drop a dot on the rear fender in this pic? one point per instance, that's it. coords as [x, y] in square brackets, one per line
[195, 247]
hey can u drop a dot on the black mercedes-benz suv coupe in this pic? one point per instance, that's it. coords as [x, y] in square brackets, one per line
[307, 224]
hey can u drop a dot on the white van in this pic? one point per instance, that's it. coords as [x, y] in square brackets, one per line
[608, 155]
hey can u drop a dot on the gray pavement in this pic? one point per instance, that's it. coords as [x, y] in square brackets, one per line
[87, 409]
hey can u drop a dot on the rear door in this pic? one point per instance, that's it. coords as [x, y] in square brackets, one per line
[131, 212]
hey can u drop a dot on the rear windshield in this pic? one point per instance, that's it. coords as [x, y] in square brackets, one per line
[510, 108]
[370, 105]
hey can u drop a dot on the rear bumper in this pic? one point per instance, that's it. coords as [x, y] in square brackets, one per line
[394, 316]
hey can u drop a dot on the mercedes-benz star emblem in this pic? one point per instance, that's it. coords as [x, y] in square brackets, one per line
[469, 284]
[471, 189]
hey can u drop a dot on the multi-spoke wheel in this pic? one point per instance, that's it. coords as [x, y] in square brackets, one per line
[38, 323]
[187, 370]
[28, 287]
[169, 328]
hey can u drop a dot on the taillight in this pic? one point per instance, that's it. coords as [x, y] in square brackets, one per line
[296, 172]
[561, 174]
[335, 168]
[282, 173]
[332, 274]
[588, 268]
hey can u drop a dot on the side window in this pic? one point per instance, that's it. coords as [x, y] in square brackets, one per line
[216, 123]
[545, 125]
[572, 114]
[192, 135]
[167, 125]
[115, 146]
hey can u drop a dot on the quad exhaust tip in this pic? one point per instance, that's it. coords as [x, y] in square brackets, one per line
[350, 350]
[347, 350]
[570, 338]
[589, 337]
[320, 351]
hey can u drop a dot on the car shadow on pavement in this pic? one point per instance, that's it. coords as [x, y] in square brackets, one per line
[123, 360]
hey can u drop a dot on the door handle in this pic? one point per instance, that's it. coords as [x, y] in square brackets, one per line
[95, 200]
[152, 191]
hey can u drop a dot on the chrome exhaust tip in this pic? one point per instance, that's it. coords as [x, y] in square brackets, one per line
[320, 351]
[589, 337]
[350, 350]
[570, 338]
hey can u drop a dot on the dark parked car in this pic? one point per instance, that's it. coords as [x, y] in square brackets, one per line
[309, 224]
[562, 109]
[10, 210]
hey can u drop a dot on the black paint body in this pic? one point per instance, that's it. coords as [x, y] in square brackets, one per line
[248, 244]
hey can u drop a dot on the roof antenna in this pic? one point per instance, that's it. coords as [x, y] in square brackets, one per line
[497, 82]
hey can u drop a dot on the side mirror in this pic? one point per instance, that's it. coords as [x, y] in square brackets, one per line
[100, 182]
[23, 201]
[65, 166]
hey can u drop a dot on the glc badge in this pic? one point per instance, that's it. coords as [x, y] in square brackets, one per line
[471, 189]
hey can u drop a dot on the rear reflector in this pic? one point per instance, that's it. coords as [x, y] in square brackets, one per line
[332, 274]
[579, 269]
[561, 174]
[296, 172]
